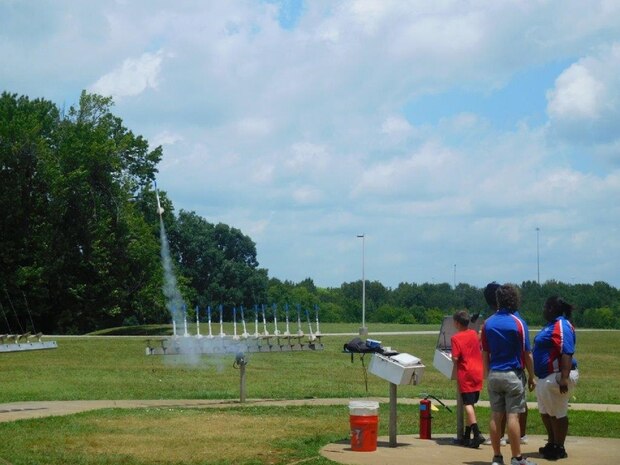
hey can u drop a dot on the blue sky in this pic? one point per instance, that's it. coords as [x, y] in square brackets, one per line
[522, 97]
[446, 132]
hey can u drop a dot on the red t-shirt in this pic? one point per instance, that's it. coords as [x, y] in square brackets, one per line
[466, 349]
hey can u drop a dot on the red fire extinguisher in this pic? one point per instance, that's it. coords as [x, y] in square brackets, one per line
[425, 415]
[425, 418]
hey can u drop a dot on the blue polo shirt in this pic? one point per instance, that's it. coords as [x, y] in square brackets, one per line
[555, 339]
[506, 338]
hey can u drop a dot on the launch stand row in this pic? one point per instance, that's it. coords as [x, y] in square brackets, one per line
[23, 342]
[177, 345]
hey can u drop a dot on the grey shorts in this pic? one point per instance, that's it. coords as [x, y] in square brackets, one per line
[506, 391]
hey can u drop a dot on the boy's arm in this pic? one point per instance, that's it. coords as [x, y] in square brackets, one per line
[455, 354]
[566, 363]
[485, 363]
[485, 352]
[529, 366]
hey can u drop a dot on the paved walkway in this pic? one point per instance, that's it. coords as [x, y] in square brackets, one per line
[410, 449]
[37, 409]
[441, 451]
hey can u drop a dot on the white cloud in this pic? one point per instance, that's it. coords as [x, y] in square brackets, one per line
[463, 122]
[264, 174]
[307, 157]
[369, 13]
[422, 173]
[577, 95]
[132, 78]
[255, 127]
[585, 101]
[396, 126]
[165, 138]
[307, 195]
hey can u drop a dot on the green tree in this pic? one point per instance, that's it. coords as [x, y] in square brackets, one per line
[600, 318]
[26, 129]
[219, 261]
[97, 167]
[82, 252]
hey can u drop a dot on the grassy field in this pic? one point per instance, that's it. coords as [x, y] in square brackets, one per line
[117, 368]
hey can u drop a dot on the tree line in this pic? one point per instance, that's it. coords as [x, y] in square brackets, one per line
[597, 305]
[80, 245]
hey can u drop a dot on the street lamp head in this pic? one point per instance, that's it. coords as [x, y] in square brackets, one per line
[360, 235]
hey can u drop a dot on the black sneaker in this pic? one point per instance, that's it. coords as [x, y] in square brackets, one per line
[547, 449]
[560, 452]
[555, 453]
[476, 441]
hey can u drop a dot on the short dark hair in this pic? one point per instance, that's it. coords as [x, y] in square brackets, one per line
[508, 297]
[461, 317]
[490, 294]
[559, 306]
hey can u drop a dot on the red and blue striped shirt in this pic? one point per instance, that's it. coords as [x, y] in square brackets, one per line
[555, 339]
[506, 338]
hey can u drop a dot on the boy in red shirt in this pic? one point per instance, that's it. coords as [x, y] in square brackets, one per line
[467, 358]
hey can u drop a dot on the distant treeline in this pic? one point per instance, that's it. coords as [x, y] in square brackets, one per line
[80, 241]
[596, 305]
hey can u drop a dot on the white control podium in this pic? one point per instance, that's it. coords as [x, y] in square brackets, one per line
[398, 369]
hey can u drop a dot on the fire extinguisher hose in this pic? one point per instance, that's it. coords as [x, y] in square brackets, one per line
[426, 396]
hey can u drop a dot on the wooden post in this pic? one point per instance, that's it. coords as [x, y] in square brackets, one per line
[459, 415]
[242, 382]
[393, 415]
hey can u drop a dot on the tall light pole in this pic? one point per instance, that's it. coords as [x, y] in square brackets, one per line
[454, 280]
[538, 255]
[363, 330]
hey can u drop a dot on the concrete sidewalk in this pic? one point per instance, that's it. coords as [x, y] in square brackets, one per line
[441, 451]
[37, 409]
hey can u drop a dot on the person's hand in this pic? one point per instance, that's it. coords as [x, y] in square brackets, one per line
[531, 383]
[563, 383]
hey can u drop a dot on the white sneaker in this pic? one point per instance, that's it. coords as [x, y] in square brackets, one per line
[523, 440]
[497, 460]
[502, 442]
[523, 461]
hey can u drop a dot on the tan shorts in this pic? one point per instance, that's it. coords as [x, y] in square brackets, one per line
[550, 400]
[506, 391]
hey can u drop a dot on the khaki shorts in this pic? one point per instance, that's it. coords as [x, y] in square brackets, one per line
[550, 400]
[506, 391]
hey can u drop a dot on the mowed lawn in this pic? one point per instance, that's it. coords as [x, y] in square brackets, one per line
[118, 368]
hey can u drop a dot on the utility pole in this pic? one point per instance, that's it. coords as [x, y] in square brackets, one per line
[363, 330]
[454, 279]
[538, 255]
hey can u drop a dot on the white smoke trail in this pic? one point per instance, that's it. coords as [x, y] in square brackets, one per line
[174, 300]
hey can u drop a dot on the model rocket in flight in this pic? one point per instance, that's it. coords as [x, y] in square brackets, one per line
[160, 210]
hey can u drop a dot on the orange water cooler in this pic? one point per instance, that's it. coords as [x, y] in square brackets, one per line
[364, 422]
